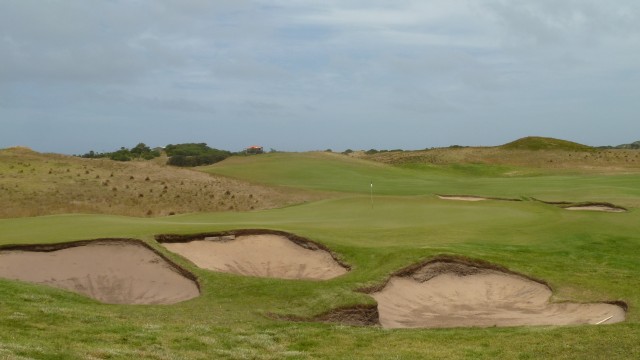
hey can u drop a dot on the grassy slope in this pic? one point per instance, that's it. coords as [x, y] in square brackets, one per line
[322, 171]
[40, 184]
[584, 256]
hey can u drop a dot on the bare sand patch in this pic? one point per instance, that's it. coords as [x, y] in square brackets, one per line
[604, 208]
[586, 206]
[263, 255]
[462, 197]
[446, 294]
[115, 271]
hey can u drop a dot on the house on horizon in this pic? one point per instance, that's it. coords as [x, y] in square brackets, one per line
[254, 149]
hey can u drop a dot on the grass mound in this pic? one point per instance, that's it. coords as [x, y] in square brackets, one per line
[545, 143]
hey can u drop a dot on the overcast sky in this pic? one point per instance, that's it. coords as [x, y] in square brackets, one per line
[80, 75]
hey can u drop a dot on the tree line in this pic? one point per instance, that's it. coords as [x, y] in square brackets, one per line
[184, 155]
[140, 151]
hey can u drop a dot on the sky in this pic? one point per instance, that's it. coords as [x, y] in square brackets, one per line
[298, 75]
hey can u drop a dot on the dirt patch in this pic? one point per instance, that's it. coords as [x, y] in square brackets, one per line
[449, 293]
[358, 315]
[262, 253]
[113, 271]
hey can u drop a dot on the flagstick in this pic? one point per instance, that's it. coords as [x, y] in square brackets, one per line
[372, 194]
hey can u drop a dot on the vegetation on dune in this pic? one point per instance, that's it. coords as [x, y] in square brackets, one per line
[634, 145]
[525, 160]
[545, 143]
[34, 184]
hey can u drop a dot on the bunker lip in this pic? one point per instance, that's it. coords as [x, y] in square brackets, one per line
[54, 247]
[241, 234]
[356, 315]
[425, 290]
[472, 197]
[586, 206]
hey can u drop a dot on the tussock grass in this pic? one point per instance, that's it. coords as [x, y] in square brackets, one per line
[34, 184]
[520, 160]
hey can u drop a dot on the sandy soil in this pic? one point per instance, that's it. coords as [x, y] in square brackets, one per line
[260, 255]
[114, 272]
[595, 208]
[462, 198]
[481, 298]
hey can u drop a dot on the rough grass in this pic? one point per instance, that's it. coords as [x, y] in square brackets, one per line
[520, 161]
[585, 257]
[34, 184]
[545, 143]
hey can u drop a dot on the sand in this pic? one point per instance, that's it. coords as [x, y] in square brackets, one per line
[462, 197]
[113, 272]
[595, 208]
[481, 298]
[264, 255]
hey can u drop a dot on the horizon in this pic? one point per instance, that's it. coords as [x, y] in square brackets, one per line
[298, 76]
[267, 149]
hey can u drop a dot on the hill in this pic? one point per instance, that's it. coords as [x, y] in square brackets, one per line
[34, 184]
[633, 145]
[528, 152]
[545, 143]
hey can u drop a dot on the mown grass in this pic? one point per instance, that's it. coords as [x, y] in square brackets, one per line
[333, 172]
[585, 256]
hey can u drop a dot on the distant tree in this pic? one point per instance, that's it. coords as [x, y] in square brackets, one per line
[192, 154]
[347, 152]
[121, 155]
[140, 149]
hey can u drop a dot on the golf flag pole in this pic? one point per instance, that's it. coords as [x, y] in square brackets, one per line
[372, 194]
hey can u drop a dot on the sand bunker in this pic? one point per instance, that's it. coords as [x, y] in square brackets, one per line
[605, 208]
[263, 255]
[445, 294]
[110, 271]
[462, 197]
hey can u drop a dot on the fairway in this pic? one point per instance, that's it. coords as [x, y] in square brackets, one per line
[585, 257]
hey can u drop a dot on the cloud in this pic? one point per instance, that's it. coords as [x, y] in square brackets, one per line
[295, 69]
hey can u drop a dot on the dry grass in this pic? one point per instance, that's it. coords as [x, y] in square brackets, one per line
[613, 160]
[33, 184]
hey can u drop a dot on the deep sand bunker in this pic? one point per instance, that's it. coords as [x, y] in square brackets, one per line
[114, 271]
[449, 294]
[265, 255]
